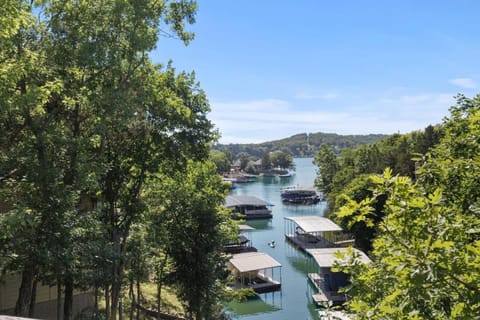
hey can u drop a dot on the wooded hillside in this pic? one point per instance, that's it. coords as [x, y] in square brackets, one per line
[303, 144]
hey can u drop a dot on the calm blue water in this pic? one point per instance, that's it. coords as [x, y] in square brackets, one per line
[294, 300]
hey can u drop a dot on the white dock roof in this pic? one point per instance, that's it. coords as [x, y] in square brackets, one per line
[253, 261]
[315, 223]
[325, 257]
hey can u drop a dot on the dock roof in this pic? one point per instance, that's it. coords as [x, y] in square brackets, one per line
[233, 201]
[315, 223]
[253, 261]
[325, 257]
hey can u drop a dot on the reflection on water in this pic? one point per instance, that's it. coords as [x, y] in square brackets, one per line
[293, 301]
[262, 224]
[299, 259]
[262, 304]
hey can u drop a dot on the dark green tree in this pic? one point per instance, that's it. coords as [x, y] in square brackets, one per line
[189, 205]
[221, 160]
[266, 161]
[327, 164]
[281, 159]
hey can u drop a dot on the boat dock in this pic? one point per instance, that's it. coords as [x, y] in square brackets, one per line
[328, 283]
[255, 270]
[323, 297]
[248, 207]
[309, 232]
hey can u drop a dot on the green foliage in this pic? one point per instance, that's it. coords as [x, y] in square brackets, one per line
[86, 119]
[396, 151]
[328, 166]
[282, 160]
[221, 160]
[362, 225]
[266, 161]
[426, 262]
[197, 226]
[250, 169]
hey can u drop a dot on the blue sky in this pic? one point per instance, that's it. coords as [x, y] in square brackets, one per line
[272, 69]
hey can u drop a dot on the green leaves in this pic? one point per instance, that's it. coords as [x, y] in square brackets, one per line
[426, 250]
[186, 209]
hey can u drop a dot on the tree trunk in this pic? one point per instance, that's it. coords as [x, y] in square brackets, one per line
[25, 292]
[59, 300]
[68, 300]
[159, 299]
[114, 296]
[95, 303]
[118, 271]
[120, 308]
[107, 301]
[33, 300]
[139, 299]
[132, 297]
[160, 284]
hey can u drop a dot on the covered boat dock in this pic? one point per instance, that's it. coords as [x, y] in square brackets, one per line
[328, 283]
[243, 243]
[248, 207]
[255, 270]
[307, 232]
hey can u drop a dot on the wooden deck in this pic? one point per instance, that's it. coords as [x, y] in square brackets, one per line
[322, 297]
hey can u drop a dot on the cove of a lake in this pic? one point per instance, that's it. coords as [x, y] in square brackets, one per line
[294, 300]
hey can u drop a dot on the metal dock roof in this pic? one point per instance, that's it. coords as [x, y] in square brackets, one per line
[315, 223]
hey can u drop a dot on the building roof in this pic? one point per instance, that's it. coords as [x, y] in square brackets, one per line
[325, 257]
[315, 223]
[236, 163]
[234, 201]
[253, 261]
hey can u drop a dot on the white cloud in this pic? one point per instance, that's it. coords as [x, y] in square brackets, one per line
[467, 83]
[264, 120]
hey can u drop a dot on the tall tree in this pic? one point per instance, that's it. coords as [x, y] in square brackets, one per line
[326, 161]
[86, 112]
[221, 160]
[266, 161]
[189, 205]
[281, 159]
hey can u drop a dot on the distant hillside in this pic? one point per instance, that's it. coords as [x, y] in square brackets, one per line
[303, 144]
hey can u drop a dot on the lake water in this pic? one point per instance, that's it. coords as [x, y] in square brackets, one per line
[294, 300]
